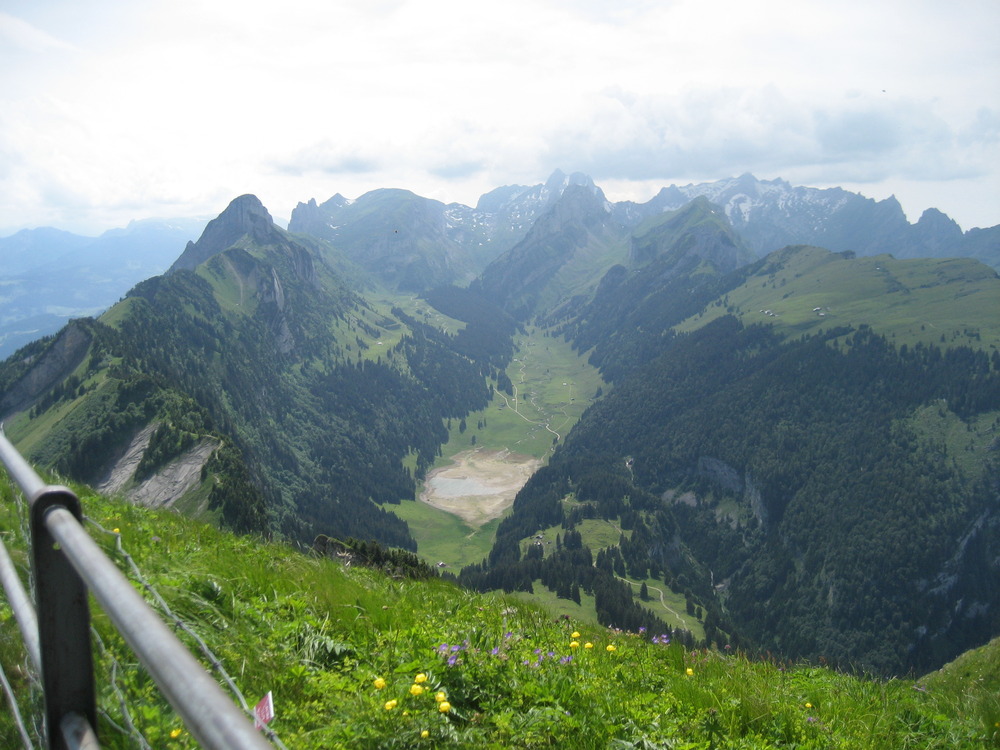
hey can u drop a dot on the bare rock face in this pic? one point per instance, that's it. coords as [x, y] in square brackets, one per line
[53, 365]
[167, 485]
[246, 215]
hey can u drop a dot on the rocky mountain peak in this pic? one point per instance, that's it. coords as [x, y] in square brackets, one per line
[246, 215]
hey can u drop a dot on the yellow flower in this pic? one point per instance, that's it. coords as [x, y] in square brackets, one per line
[689, 672]
[575, 635]
[588, 644]
[416, 689]
[174, 733]
[116, 531]
[444, 707]
[389, 705]
[574, 644]
[611, 647]
[440, 697]
[379, 683]
[809, 705]
[425, 734]
[420, 678]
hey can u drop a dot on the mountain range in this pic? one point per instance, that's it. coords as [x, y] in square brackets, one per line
[414, 243]
[776, 421]
[48, 276]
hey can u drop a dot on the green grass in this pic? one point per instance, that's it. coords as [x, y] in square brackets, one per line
[336, 645]
[443, 537]
[583, 613]
[970, 443]
[553, 387]
[941, 301]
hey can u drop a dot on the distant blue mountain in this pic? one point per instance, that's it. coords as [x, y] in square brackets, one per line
[48, 276]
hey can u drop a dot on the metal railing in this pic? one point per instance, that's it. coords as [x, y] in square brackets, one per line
[67, 564]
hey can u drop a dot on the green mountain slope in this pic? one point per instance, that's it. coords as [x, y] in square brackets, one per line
[950, 301]
[767, 458]
[341, 647]
[564, 254]
[311, 395]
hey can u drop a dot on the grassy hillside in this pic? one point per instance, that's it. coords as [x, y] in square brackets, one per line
[358, 658]
[942, 301]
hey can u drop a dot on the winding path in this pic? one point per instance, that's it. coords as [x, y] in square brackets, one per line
[531, 399]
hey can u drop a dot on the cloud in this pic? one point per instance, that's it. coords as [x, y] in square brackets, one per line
[330, 158]
[26, 37]
[727, 130]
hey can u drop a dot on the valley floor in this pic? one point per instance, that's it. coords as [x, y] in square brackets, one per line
[486, 462]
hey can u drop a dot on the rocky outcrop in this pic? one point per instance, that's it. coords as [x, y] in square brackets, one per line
[166, 486]
[728, 478]
[63, 356]
[245, 216]
[174, 480]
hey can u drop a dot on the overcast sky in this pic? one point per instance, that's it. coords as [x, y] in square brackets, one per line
[112, 110]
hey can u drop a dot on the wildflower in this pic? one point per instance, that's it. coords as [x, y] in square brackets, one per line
[116, 531]
[425, 734]
[420, 678]
[574, 644]
[416, 689]
[689, 672]
[440, 697]
[444, 707]
[611, 648]
[379, 683]
[389, 705]
[452, 661]
[809, 705]
[566, 660]
[174, 733]
[575, 635]
[588, 644]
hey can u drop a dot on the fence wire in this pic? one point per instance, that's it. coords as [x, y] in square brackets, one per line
[108, 657]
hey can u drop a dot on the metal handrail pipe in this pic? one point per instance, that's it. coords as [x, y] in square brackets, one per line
[208, 713]
[77, 733]
[19, 469]
[24, 610]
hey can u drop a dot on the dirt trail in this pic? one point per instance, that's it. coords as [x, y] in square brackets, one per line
[479, 485]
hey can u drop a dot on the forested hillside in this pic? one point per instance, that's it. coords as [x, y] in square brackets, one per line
[820, 490]
[800, 449]
[314, 396]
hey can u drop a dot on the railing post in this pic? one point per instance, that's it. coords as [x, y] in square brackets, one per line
[63, 621]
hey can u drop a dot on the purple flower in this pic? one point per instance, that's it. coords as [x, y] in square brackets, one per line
[495, 651]
[452, 661]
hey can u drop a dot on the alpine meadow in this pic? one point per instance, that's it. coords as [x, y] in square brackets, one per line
[720, 469]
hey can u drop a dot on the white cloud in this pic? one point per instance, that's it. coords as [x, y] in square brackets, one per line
[26, 37]
[123, 107]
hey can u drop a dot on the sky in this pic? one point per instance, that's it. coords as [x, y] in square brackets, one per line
[113, 110]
